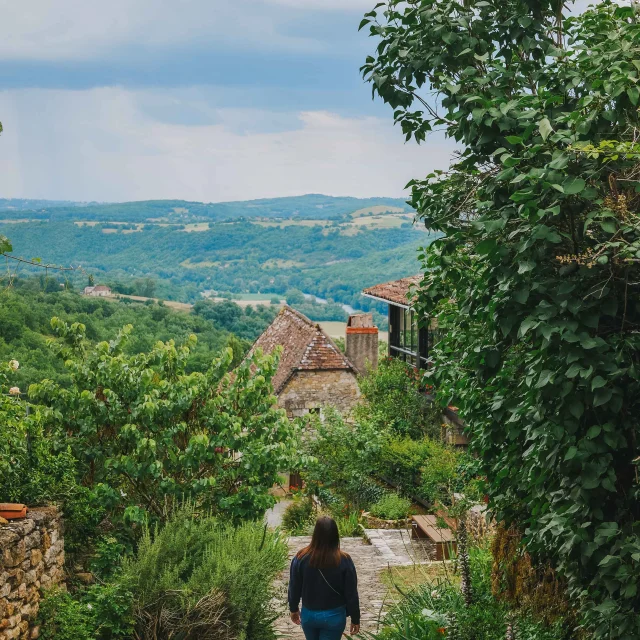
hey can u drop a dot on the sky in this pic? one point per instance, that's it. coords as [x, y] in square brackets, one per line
[206, 100]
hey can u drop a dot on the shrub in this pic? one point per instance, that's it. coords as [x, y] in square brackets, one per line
[401, 460]
[298, 516]
[423, 468]
[64, 618]
[393, 400]
[431, 611]
[342, 459]
[100, 612]
[31, 470]
[439, 475]
[391, 507]
[349, 525]
[196, 578]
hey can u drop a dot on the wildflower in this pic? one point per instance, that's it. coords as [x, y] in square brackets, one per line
[89, 606]
[14, 391]
[123, 494]
[435, 595]
[14, 364]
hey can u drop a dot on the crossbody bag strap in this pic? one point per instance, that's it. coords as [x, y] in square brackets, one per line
[330, 587]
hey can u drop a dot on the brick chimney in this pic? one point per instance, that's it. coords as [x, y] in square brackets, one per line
[361, 342]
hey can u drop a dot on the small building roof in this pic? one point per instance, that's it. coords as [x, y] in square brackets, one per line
[101, 287]
[398, 292]
[305, 346]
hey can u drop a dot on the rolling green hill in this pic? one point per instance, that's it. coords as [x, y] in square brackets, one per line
[307, 207]
[327, 247]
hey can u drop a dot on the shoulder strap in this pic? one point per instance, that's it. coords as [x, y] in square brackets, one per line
[330, 587]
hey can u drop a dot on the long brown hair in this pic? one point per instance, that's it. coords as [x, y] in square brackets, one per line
[324, 550]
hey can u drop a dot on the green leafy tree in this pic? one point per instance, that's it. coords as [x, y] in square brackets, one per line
[30, 471]
[535, 280]
[148, 436]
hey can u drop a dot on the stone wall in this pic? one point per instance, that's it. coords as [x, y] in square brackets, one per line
[31, 558]
[309, 391]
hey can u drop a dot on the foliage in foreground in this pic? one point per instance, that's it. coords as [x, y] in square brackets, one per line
[197, 578]
[535, 281]
[100, 612]
[146, 435]
[437, 610]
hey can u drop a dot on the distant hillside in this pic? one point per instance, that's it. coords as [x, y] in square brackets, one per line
[323, 246]
[22, 204]
[317, 207]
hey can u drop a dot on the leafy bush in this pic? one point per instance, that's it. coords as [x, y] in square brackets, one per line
[391, 507]
[298, 516]
[432, 610]
[394, 401]
[350, 525]
[342, 459]
[148, 435]
[401, 460]
[423, 468]
[197, 578]
[31, 471]
[439, 475]
[100, 612]
[64, 618]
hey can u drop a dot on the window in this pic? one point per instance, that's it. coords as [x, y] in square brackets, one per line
[407, 341]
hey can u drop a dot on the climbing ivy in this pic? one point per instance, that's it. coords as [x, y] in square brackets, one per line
[535, 280]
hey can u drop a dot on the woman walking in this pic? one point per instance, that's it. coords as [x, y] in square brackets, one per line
[325, 578]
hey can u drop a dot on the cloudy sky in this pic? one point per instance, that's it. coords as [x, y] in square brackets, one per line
[197, 99]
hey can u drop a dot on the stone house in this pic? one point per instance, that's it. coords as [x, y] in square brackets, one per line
[313, 373]
[99, 291]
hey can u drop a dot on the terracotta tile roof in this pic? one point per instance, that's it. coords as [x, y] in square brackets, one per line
[397, 291]
[305, 346]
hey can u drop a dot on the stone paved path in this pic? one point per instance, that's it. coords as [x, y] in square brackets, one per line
[387, 548]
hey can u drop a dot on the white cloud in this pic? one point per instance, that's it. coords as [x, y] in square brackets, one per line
[328, 5]
[100, 145]
[92, 29]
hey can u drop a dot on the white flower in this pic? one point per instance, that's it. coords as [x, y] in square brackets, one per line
[123, 494]
[435, 595]
[14, 391]
[89, 606]
[14, 364]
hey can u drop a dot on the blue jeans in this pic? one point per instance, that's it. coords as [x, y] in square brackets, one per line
[323, 625]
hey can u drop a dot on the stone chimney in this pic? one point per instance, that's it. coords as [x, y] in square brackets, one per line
[361, 342]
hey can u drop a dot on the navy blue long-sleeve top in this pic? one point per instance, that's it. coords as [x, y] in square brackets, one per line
[306, 582]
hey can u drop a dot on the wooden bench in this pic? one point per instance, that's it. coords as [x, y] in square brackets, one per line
[443, 539]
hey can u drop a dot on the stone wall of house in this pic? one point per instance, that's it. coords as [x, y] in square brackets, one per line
[31, 558]
[312, 390]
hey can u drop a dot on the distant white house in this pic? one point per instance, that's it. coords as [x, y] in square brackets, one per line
[99, 291]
